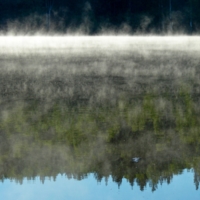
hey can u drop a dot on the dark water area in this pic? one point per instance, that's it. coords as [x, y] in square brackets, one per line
[130, 118]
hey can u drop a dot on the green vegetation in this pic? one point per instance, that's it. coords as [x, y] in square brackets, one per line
[79, 139]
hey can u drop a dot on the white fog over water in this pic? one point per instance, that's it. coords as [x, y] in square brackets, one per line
[87, 107]
[24, 43]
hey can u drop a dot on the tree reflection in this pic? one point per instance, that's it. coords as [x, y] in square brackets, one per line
[77, 139]
[81, 120]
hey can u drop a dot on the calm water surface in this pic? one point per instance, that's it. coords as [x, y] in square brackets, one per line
[180, 188]
[79, 120]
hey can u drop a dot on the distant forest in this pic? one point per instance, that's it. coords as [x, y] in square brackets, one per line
[92, 17]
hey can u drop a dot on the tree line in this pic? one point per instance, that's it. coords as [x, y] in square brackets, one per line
[100, 16]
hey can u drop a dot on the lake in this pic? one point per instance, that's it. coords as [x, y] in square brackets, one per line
[99, 117]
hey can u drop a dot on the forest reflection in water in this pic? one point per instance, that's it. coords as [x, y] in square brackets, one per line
[82, 123]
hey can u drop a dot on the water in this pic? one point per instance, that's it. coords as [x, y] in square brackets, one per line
[180, 188]
[80, 110]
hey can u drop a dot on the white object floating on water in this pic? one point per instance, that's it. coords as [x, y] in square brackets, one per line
[136, 159]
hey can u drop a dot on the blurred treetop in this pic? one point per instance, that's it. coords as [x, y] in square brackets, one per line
[101, 16]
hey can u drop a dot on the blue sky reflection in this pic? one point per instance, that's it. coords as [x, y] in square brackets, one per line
[181, 187]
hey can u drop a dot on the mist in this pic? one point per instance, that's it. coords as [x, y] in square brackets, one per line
[77, 105]
[86, 91]
[99, 18]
